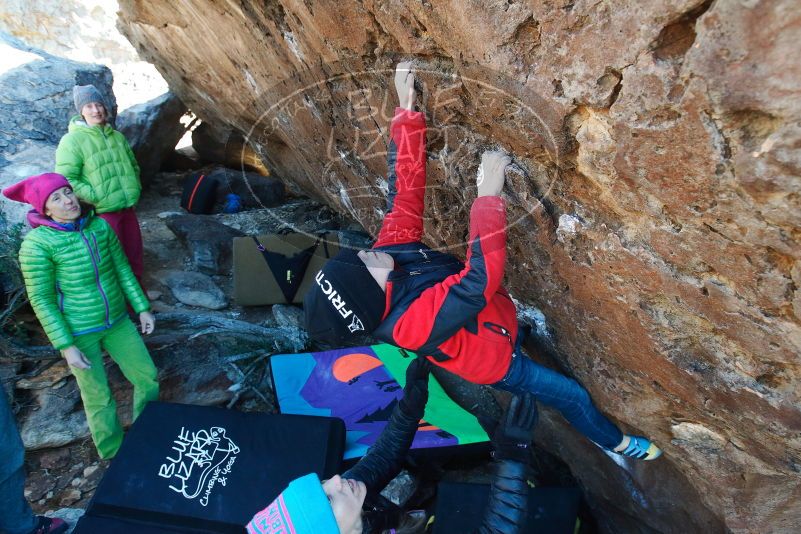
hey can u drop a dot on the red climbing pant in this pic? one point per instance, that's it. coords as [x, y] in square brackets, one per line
[126, 226]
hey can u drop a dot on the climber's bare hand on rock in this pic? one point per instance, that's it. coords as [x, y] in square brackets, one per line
[491, 172]
[404, 84]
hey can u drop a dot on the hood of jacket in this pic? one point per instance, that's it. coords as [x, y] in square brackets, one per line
[78, 124]
[37, 219]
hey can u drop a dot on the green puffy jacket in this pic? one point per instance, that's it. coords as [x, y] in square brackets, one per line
[77, 277]
[100, 165]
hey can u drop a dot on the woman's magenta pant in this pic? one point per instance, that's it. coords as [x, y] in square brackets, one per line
[126, 226]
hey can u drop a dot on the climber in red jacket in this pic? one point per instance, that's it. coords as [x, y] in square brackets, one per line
[455, 313]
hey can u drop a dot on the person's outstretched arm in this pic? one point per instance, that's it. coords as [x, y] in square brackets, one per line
[406, 167]
[507, 509]
[444, 308]
[384, 459]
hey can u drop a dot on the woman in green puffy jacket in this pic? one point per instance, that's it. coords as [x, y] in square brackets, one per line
[78, 279]
[99, 164]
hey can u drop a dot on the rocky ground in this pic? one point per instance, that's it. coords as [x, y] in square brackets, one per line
[63, 478]
[66, 476]
[201, 365]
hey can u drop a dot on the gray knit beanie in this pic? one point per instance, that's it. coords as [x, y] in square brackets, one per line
[84, 94]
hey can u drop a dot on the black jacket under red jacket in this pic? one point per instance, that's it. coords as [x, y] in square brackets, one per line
[454, 312]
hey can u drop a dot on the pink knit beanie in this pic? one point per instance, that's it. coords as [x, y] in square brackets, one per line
[35, 190]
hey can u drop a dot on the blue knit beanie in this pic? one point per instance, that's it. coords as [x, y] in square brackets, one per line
[302, 508]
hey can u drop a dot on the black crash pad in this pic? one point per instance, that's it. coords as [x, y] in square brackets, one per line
[460, 508]
[89, 524]
[204, 469]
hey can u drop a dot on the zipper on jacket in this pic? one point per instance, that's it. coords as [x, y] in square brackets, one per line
[97, 249]
[97, 277]
[498, 329]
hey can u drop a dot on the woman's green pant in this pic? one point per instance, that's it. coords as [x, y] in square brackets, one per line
[126, 348]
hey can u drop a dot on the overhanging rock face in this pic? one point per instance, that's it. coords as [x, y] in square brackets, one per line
[664, 139]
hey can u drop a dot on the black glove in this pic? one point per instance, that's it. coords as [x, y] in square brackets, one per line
[415, 392]
[512, 437]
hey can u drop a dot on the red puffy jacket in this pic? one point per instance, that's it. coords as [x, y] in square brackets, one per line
[454, 312]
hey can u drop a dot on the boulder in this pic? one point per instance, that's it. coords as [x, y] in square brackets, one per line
[153, 129]
[35, 110]
[209, 242]
[56, 419]
[194, 289]
[37, 93]
[216, 144]
[84, 30]
[665, 132]
[35, 158]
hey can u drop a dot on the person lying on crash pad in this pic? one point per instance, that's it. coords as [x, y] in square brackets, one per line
[350, 503]
[455, 313]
